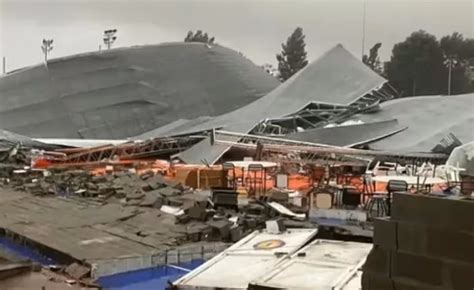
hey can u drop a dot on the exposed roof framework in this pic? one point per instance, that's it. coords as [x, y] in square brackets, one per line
[337, 79]
[307, 152]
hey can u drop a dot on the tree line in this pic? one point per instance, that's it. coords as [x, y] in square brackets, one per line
[419, 65]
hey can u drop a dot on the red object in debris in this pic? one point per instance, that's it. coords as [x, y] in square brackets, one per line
[41, 163]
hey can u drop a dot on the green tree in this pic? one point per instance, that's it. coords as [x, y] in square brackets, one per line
[372, 60]
[199, 36]
[416, 66]
[460, 52]
[293, 55]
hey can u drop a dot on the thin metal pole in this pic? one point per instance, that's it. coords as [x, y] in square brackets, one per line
[363, 28]
[449, 77]
[4, 65]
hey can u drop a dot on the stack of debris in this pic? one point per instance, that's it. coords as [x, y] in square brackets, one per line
[426, 244]
[122, 185]
[228, 219]
[216, 216]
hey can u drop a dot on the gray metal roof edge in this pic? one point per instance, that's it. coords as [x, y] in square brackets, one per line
[373, 89]
[122, 48]
[375, 139]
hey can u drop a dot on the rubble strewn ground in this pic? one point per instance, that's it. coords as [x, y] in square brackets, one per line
[97, 219]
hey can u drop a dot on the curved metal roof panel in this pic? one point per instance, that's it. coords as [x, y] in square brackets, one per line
[128, 91]
[428, 120]
[337, 77]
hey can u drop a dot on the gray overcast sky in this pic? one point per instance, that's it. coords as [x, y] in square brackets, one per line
[256, 28]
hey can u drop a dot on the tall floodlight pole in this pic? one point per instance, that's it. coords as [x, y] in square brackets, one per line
[450, 62]
[363, 28]
[46, 48]
[109, 37]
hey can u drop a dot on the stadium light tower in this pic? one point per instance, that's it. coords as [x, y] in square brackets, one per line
[46, 48]
[450, 62]
[109, 37]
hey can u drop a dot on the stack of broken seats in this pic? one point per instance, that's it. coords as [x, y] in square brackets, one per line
[427, 244]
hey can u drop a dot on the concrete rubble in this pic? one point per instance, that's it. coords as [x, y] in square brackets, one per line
[155, 212]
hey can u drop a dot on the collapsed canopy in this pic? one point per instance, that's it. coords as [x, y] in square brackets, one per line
[125, 92]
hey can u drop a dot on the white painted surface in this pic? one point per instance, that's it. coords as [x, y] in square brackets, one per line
[176, 211]
[409, 179]
[339, 214]
[242, 263]
[246, 164]
[80, 143]
[285, 211]
[282, 181]
[328, 265]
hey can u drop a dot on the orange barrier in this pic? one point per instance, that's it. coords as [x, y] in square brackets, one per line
[204, 177]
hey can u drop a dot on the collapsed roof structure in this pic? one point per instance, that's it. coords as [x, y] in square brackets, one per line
[428, 120]
[332, 87]
[121, 93]
[415, 124]
[334, 101]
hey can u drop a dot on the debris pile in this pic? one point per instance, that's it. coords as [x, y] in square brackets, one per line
[426, 244]
[218, 215]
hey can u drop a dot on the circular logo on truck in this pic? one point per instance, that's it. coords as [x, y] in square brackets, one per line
[269, 245]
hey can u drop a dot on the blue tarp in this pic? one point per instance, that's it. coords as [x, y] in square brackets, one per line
[152, 278]
[24, 252]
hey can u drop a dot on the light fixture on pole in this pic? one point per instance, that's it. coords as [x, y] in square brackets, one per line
[364, 12]
[109, 37]
[450, 62]
[46, 48]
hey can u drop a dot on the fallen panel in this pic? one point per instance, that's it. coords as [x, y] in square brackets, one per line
[245, 261]
[337, 78]
[125, 92]
[349, 135]
[7, 139]
[428, 120]
[82, 143]
[323, 264]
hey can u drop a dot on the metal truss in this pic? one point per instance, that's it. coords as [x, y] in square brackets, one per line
[316, 115]
[307, 152]
[130, 150]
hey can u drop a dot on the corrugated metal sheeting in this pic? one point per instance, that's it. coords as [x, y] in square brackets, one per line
[337, 77]
[125, 92]
[428, 120]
